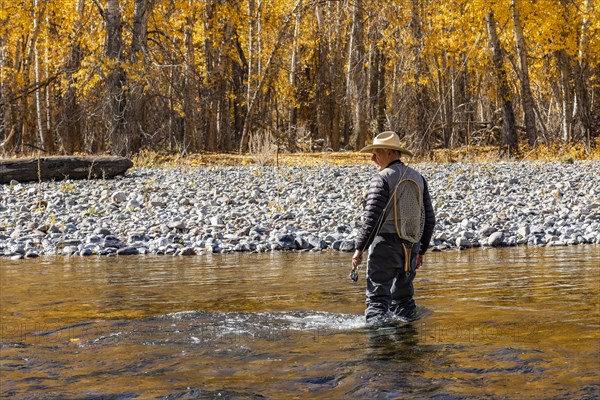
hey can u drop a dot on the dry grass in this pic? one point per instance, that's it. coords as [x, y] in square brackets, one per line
[480, 154]
[151, 159]
[263, 148]
[483, 154]
[556, 152]
[472, 154]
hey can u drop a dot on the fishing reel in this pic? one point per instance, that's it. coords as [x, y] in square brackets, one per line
[354, 274]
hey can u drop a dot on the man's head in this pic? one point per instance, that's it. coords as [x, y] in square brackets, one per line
[386, 148]
[383, 157]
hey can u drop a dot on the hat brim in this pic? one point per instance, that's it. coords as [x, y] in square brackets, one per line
[371, 147]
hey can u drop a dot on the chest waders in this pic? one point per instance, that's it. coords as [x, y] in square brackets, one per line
[390, 265]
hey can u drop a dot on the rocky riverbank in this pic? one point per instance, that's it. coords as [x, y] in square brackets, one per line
[259, 209]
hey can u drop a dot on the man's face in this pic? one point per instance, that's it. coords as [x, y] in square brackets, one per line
[380, 158]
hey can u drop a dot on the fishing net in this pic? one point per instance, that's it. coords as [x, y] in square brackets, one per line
[409, 213]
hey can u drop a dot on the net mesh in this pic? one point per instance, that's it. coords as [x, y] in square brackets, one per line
[409, 212]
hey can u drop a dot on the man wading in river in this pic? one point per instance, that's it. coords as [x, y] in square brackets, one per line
[398, 224]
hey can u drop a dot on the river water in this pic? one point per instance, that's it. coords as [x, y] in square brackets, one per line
[495, 323]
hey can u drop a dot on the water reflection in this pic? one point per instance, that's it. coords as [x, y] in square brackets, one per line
[508, 323]
[393, 343]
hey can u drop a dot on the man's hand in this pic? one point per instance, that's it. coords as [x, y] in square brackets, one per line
[357, 258]
[419, 261]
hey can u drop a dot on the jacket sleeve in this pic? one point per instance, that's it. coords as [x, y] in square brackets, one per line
[429, 220]
[377, 199]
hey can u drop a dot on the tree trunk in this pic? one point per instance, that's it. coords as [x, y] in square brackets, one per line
[223, 112]
[50, 129]
[583, 103]
[323, 78]
[395, 95]
[71, 111]
[12, 142]
[462, 104]
[419, 96]
[3, 99]
[134, 112]
[376, 74]
[225, 133]
[239, 71]
[526, 96]
[381, 93]
[62, 167]
[581, 78]
[293, 107]
[36, 70]
[566, 95]
[508, 140]
[250, 74]
[265, 71]
[191, 138]
[116, 78]
[27, 130]
[211, 90]
[218, 71]
[336, 67]
[376, 86]
[595, 107]
[141, 12]
[447, 96]
[357, 76]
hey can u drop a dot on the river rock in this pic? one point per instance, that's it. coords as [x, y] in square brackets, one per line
[102, 231]
[317, 243]
[31, 254]
[119, 197]
[86, 252]
[111, 241]
[524, 231]
[133, 204]
[69, 250]
[462, 242]
[286, 242]
[157, 203]
[231, 238]
[466, 223]
[487, 231]
[127, 251]
[180, 225]
[187, 251]
[216, 221]
[495, 239]
[317, 207]
[347, 245]
[70, 228]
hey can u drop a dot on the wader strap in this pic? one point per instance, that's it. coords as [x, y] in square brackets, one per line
[406, 247]
[396, 216]
[407, 253]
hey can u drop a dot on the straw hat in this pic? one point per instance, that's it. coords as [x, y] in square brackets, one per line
[386, 140]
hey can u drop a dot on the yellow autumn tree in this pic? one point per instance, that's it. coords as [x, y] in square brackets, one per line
[191, 76]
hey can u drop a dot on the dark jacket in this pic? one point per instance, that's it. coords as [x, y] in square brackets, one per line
[377, 199]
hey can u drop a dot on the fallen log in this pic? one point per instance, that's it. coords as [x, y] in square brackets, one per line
[62, 167]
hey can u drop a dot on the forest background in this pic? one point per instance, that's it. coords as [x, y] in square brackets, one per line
[197, 76]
